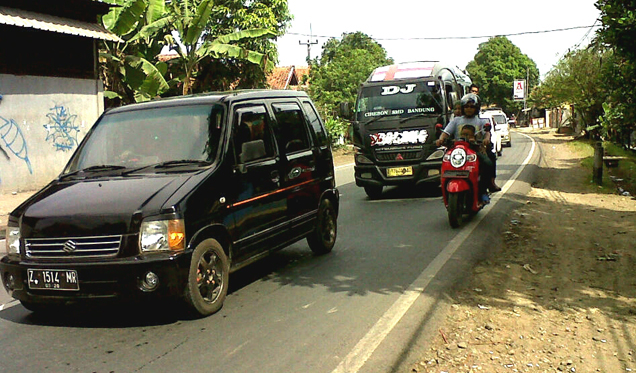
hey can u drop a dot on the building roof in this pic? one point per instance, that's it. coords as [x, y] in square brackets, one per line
[286, 76]
[45, 22]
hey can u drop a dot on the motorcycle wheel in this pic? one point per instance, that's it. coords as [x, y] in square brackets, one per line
[455, 209]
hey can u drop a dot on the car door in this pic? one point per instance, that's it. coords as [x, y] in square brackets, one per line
[298, 162]
[259, 207]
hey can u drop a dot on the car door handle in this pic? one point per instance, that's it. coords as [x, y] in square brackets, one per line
[275, 176]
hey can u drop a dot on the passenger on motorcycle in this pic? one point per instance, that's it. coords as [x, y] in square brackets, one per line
[470, 105]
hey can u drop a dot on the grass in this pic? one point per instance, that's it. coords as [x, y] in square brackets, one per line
[626, 169]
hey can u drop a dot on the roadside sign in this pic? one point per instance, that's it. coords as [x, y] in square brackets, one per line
[519, 90]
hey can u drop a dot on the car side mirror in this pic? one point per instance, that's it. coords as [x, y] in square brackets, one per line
[345, 110]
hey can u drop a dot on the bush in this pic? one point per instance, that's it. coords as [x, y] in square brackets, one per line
[338, 130]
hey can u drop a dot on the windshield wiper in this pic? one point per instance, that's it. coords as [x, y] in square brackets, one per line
[417, 116]
[97, 168]
[373, 120]
[183, 162]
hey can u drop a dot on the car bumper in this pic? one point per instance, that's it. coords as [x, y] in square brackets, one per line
[375, 175]
[111, 280]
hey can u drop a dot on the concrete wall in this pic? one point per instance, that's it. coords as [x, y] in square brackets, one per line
[42, 121]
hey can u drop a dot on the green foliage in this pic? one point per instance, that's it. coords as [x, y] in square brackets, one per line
[618, 33]
[344, 64]
[336, 128]
[496, 65]
[129, 68]
[206, 34]
[577, 79]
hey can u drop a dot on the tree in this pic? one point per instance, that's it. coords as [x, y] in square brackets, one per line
[189, 20]
[343, 65]
[496, 65]
[147, 26]
[129, 70]
[618, 33]
[228, 16]
[577, 79]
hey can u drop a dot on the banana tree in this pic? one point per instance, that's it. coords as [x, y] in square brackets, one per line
[188, 21]
[127, 69]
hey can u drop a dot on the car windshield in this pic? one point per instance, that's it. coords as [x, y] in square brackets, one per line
[499, 119]
[144, 137]
[403, 99]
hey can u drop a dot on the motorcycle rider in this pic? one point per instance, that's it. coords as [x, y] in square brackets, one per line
[470, 105]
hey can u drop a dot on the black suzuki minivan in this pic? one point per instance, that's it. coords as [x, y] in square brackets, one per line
[166, 198]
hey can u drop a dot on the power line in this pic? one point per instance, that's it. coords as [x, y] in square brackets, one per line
[586, 34]
[459, 37]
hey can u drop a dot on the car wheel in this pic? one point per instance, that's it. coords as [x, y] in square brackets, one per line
[322, 239]
[374, 192]
[208, 278]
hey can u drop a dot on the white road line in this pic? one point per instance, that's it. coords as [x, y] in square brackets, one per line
[8, 305]
[344, 166]
[367, 345]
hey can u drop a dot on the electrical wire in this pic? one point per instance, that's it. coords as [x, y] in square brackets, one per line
[460, 37]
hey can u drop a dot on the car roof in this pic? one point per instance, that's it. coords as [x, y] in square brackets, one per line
[212, 97]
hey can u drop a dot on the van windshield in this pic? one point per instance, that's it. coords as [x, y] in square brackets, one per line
[499, 119]
[403, 99]
[145, 137]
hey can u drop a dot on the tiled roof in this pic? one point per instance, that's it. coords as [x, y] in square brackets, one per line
[45, 22]
[286, 77]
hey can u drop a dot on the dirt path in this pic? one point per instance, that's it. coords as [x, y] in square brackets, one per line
[560, 296]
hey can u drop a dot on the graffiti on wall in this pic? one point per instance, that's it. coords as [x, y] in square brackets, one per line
[61, 129]
[14, 141]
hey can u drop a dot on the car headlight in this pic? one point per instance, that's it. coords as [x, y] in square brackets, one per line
[162, 235]
[439, 153]
[458, 157]
[13, 241]
[362, 159]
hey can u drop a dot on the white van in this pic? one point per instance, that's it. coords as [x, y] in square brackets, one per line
[495, 136]
[500, 124]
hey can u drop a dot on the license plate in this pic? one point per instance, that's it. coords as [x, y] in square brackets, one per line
[399, 171]
[53, 279]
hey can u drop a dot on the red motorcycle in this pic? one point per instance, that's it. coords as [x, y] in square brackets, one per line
[460, 182]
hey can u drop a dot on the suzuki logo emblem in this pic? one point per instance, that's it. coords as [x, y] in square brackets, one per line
[399, 157]
[69, 246]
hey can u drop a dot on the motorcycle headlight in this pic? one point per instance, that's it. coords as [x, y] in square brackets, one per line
[162, 235]
[458, 157]
[12, 240]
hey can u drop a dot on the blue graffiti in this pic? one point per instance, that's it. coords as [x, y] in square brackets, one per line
[61, 128]
[14, 140]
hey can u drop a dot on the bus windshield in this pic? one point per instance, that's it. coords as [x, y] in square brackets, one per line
[400, 99]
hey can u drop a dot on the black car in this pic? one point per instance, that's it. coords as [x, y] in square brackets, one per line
[166, 198]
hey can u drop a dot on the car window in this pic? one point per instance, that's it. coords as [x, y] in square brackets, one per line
[138, 138]
[252, 126]
[291, 133]
[319, 130]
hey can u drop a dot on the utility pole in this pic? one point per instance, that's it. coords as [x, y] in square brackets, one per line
[309, 43]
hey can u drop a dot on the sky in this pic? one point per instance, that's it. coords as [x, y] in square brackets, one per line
[420, 19]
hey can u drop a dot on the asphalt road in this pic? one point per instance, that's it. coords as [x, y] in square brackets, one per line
[369, 306]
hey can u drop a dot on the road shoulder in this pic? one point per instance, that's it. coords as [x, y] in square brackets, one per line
[559, 295]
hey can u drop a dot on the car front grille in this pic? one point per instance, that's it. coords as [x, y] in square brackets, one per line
[73, 247]
[397, 156]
